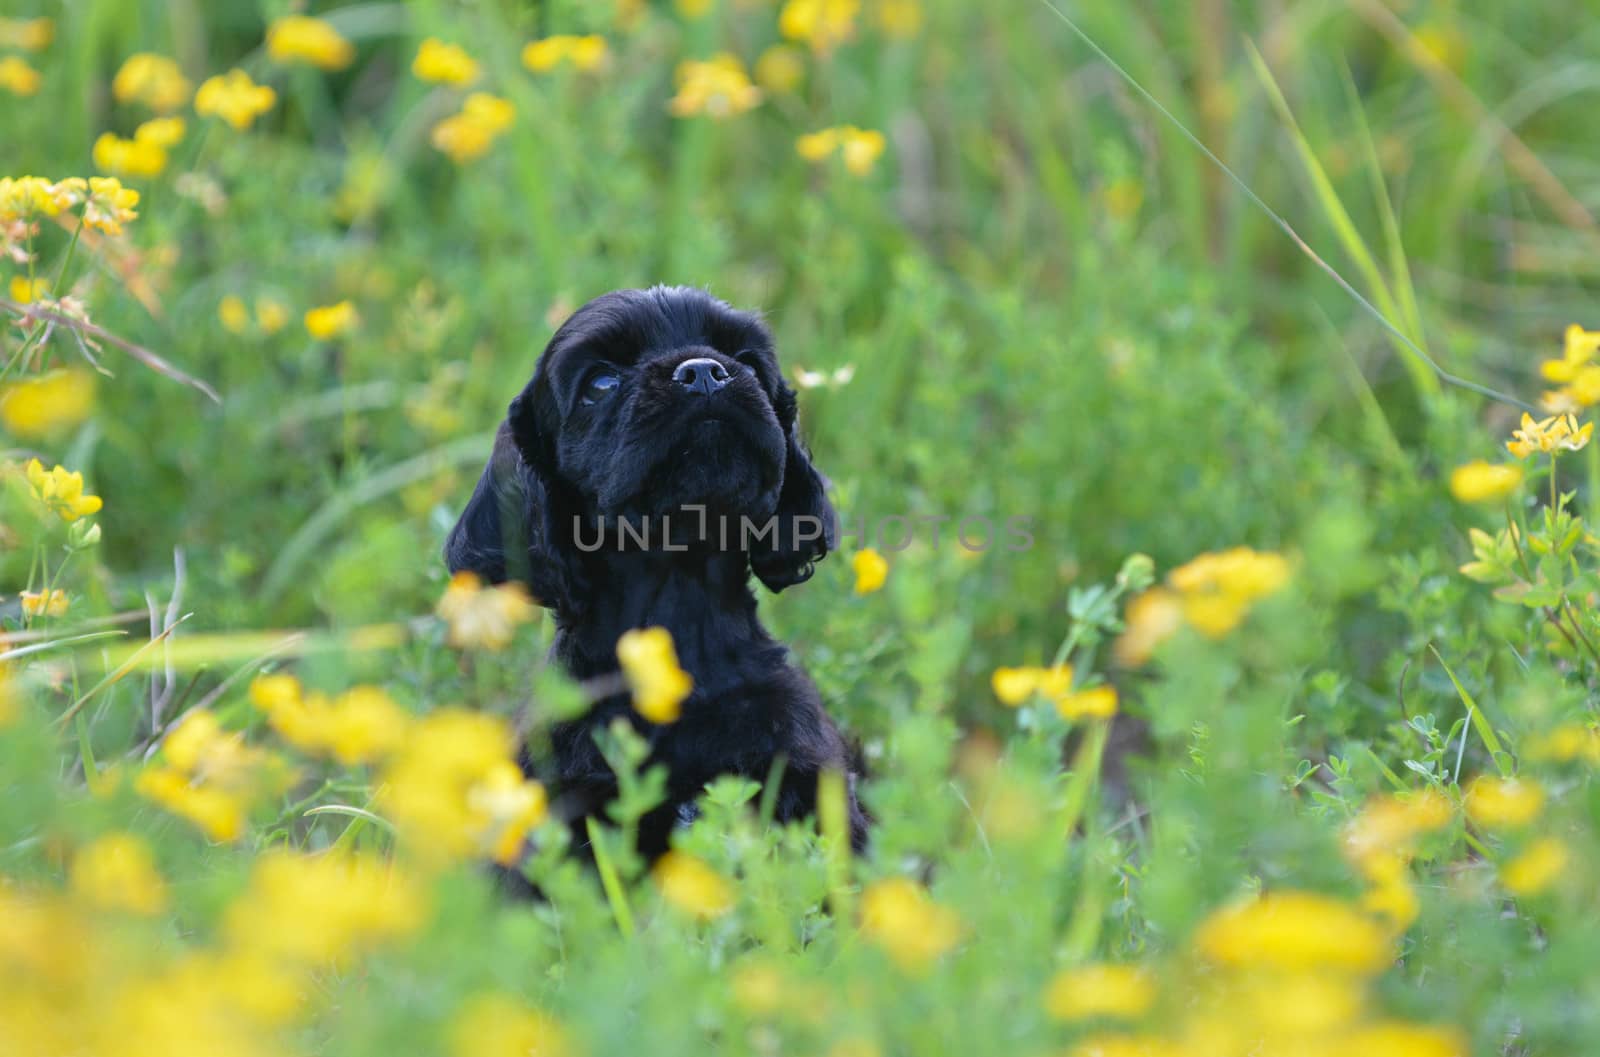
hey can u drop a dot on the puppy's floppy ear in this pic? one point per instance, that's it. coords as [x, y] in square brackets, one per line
[807, 527]
[513, 527]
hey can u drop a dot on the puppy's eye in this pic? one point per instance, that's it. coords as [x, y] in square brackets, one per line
[598, 386]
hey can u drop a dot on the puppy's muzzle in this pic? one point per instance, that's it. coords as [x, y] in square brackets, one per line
[701, 375]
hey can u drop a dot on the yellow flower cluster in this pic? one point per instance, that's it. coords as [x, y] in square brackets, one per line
[1120, 992]
[303, 39]
[143, 155]
[1504, 803]
[61, 491]
[210, 776]
[497, 1025]
[117, 872]
[27, 34]
[440, 63]
[871, 569]
[823, 24]
[107, 205]
[650, 664]
[270, 315]
[1212, 593]
[329, 321]
[361, 725]
[468, 135]
[17, 77]
[1576, 373]
[717, 87]
[47, 404]
[484, 618]
[692, 886]
[860, 148]
[1017, 686]
[586, 54]
[1379, 844]
[900, 916]
[153, 80]
[454, 790]
[1549, 436]
[1482, 482]
[234, 98]
[52, 603]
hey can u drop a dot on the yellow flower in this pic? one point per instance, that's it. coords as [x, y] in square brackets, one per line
[23, 196]
[1567, 742]
[26, 34]
[1122, 198]
[495, 1025]
[1387, 827]
[300, 38]
[161, 131]
[47, 404]
[61, 491]
[817, 146]
[270, 315]
[128, 157]
[717, 87]
[154, 80]
[454, 789]
[693, 8]
[1398, 1039]
[900, 916]
[117, 872]
[1581, 345]
[234, 315]
[469, 134]
[1504, 803]
[38, 603]
[860, 148]
[1098, 702]
[109, 205]
[1539, 864]
[443, 63]
[359, 726]
[1122, 991]
[780, 69]
[25, 291]
[585, 53]
[17, 77]
[316, 910]
[693, 887]
[235, 98]
[900, 18]
[871, 570]
[1553, 434]
[823, 24]
[330, 321]
[1294, 930]
[1152, 618]
[1217, 590]
[1015, 686]
[1482, 482]
[483, 617]
[650, 664]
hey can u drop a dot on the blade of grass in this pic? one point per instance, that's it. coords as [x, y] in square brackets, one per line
[1480, 722]
[833, 815]
[119, 671]
[609, 881]
[1283, 225]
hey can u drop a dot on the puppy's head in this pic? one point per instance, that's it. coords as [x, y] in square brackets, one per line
[647, 402]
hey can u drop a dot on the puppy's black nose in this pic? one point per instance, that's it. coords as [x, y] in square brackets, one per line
[701, 375]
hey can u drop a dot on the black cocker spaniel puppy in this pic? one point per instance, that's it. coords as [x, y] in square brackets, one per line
[651, 465]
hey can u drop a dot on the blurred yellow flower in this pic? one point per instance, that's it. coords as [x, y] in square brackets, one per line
[161, 131]
[484, 617]
[1539, 864]
[1015, 686]
[1122, 197]
[50, 604]
[455, 790]
[271, 315]
[442, 63]
[694, 8]
[235, 98]
[1504, 803]
[823, 24]
[780, 69]
[151, 79]
[1554, 434]
[329, 321]
[1097, 702]
[1565, 743]
[1121, 991]
[25, 291]
[1216, 590]
[210, 776]
[361, 725]
[650, 664]
[1388, 826]
[687, 883]
[585, 53]
[23, 196]
[301, 38]
[218, 812]
[26, 34]
[717, 87]
[61, 491]
[900, 916]
[1398, 1039]
[317, 910]
[1294, 930]
[128, 157]
[234, 315]
[860, 148]
[469, 134]
[1151, 618]
[900, 18]
[496, 1025]
[117, 872]
[17, 77]
[1482, 482]
[47, 404]
[108, 205]
[871, 569]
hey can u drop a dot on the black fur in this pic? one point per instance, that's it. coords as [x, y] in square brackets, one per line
[647, 450]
